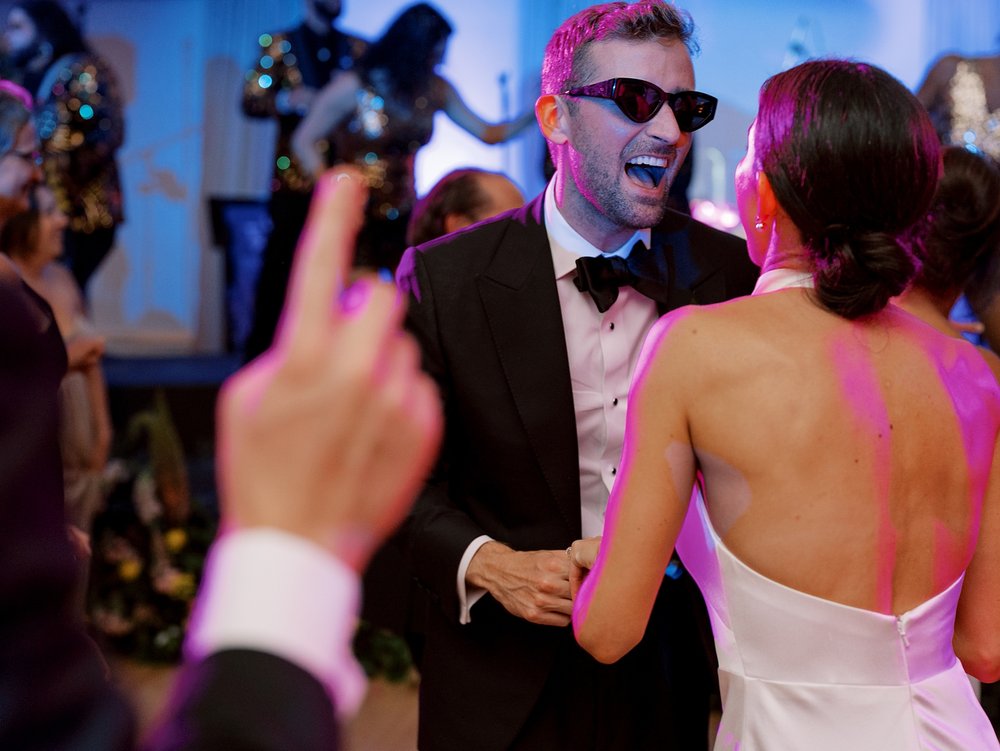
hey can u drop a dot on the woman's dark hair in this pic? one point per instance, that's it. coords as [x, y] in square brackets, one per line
[54, 25]
[405, 50]
[961, 233]
[853, 160]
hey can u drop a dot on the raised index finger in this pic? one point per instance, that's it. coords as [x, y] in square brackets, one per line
[323, 256]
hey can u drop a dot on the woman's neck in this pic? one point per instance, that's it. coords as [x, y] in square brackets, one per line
[785, 250]
[32, 273]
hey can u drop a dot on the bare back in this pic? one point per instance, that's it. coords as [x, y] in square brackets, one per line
[843, 459]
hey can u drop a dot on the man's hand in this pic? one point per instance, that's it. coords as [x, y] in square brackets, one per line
[533, 584]
[328, 434]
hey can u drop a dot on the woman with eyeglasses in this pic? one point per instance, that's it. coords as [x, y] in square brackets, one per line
[380, 114]
[845, 522]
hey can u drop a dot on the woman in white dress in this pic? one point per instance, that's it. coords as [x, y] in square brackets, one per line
[843, 449]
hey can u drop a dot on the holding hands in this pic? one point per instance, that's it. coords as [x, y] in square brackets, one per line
[582, 555]
[531, 584]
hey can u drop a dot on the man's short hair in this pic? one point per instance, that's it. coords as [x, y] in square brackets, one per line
[565, 64]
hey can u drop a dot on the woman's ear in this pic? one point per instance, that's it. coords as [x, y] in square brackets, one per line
[767, 202]
[551, 116]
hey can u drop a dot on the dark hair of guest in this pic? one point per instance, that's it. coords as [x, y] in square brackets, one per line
[457, 193]
[54, 25]
[405, 51]
[961, 233]
[853, 160]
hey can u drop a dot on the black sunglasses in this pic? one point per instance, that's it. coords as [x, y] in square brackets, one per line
[641, 100]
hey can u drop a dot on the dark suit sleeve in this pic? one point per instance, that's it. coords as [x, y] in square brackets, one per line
[54, 694]
[437, 532]
[244, 700]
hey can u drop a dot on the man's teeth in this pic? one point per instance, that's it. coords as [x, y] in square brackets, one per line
[648, 170]
[652, 161]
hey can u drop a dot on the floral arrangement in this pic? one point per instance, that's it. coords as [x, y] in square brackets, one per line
[149, 547]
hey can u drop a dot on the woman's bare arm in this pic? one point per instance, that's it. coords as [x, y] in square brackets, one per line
[648, 503]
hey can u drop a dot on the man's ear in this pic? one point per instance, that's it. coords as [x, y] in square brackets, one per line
[550, 111]
[454, 222]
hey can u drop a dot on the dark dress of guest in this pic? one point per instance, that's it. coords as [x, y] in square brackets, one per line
[380, 114]
[291, 67]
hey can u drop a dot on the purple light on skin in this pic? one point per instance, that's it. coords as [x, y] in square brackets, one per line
[966, 378]
[863, 394]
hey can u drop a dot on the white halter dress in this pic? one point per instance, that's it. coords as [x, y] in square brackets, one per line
[800, 673]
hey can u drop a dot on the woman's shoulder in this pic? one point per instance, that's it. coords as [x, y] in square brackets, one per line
[703, 331]
[992, 361]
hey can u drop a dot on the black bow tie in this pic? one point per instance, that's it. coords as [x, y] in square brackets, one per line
[643, 270]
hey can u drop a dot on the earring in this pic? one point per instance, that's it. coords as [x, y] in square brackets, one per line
[759, 225]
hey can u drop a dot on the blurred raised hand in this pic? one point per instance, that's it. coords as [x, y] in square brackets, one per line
[329, 434]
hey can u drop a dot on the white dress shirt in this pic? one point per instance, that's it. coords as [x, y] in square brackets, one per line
[275, 592]
[603, 349]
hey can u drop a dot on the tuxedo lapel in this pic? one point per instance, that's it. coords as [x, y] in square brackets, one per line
[693, 279]
[519, 297]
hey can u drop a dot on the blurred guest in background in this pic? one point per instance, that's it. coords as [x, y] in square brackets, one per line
[959, 239]
[33, 240]
[55, 694]
[962, 95]
[291, 67]
[459, 199]
[378, 116]
[79, 119]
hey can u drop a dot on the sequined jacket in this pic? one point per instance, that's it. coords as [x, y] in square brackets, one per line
[81, 126]
[285, 62]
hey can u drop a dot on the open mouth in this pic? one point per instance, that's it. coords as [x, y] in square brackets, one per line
[648, 171]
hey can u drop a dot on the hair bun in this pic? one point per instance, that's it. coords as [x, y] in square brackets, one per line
[858, 271]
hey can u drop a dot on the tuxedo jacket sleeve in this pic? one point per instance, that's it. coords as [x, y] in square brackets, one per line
[240, 700]
[484, 309]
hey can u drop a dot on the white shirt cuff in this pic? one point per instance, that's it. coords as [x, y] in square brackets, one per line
[275, 592]
[469, 596]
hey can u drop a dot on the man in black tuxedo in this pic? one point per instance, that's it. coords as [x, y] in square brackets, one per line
[534, 375]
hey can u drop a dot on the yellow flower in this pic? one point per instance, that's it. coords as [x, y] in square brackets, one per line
[129, 570]
[175, 539]
[184, 586]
